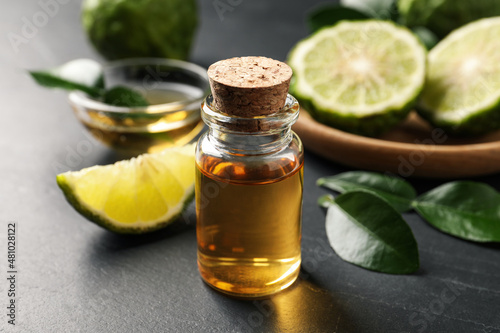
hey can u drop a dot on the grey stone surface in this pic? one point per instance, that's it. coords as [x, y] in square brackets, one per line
[76, 277]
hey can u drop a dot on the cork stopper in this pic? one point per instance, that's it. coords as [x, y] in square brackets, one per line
[249, 86]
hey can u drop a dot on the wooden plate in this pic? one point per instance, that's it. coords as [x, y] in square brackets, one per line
[413, 148]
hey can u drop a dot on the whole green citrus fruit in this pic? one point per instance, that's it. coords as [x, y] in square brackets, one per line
[443, 16]
[140, 28]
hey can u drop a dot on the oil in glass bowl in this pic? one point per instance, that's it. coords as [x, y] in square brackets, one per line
[174, 91]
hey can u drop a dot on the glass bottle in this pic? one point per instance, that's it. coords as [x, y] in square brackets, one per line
[249, 182]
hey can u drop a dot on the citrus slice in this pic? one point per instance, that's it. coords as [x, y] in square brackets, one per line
[139, 195]
[462, 91]
[359, 76]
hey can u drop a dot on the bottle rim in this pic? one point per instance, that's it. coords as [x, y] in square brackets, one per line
[277, 121]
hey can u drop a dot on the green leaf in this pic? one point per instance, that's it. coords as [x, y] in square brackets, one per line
[80, 74]
[365, 230]
[326, 200]
[464, 209]
[123, 96]
[331, 14]
[380, 9]
[86, 75]
[427, 37]
[395, 191]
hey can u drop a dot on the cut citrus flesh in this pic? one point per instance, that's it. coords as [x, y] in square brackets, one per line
[138, 195]
[463, 78]
[359, 69]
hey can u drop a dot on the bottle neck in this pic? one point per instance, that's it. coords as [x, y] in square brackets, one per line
[250, 144]
[250, 136]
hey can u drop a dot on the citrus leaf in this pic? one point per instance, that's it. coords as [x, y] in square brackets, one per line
[326, 200]
[123, 96]
[381, 9]
[427, 37]
[397, 192]
[80, 74]
[331, 14]
[365, 230]
[464, 209]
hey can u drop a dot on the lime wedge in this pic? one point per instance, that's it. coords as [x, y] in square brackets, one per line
[462, 91]
[138, 195]
[359, 76]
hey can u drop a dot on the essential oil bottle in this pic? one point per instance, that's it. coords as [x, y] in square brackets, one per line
[249, 179]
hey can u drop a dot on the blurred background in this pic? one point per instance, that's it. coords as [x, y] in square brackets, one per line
[234, 30]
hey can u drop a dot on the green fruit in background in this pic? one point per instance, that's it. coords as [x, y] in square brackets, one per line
[358, 76]
[462, 88]
[140, 28]
[443, 16]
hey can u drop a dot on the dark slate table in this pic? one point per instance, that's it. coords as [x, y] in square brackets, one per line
[73, 276]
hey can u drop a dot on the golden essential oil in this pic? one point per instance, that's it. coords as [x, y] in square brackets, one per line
[249, 232]
[149, 131]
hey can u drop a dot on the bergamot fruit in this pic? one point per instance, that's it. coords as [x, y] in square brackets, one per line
[462, 89]
[121, 29]
[359, 76]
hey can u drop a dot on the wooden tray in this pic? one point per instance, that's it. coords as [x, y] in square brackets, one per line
[413, 148]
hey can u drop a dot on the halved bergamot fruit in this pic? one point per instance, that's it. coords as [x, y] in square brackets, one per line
[462, 89]
[139, 195]
[359, 76]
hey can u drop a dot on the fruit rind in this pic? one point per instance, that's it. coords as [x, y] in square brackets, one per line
[121, 29]
[110, 225]
[443, 16]
[481, 122]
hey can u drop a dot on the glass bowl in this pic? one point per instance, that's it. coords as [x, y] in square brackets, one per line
[174, 90]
